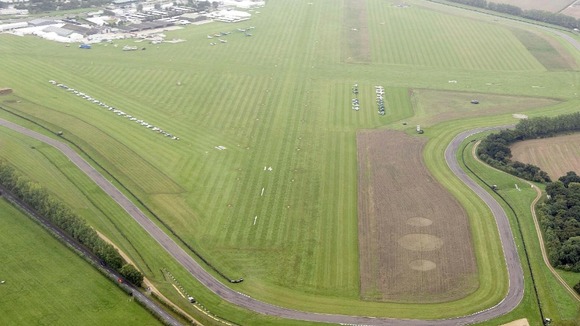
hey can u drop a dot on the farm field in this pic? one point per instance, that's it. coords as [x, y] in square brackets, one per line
[555, 155]
[46, 283]
[572, 10]
[409, 252]
[281, 99]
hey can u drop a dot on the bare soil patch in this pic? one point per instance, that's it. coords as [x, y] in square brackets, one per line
[556, 155]
[358, 49]
[519, 322]
[414, 237]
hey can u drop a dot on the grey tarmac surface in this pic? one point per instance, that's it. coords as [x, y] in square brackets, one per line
[516, 280]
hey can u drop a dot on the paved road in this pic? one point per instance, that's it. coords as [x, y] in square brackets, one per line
[516, 281]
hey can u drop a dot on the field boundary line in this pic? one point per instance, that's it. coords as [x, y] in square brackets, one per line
[536, 226]
[83, 253]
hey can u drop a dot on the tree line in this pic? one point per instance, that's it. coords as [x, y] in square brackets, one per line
[52, 209]
[495, 151]
[537, 15]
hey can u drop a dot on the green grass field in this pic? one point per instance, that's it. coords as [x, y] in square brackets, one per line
[46, 283]
[279, 99]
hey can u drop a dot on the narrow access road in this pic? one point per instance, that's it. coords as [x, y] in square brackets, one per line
[516, 279]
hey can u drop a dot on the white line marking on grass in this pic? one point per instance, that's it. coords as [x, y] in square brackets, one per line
[518, 188]
[262, 194]
[255, 218]
[178, 291]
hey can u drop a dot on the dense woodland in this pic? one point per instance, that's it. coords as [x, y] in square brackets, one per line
[538, 15]
[560, 218]
[52, 209]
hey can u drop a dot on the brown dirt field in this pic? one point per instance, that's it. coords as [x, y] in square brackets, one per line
[552, 5]
[414, 237]
[573, 10]
[556, 155]
[358, 49]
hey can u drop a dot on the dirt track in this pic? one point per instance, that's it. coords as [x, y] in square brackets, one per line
[513, 298]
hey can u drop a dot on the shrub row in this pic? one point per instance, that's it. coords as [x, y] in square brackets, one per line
[57, 213]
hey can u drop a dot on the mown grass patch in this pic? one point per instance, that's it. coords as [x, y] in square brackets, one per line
[46, 283]
[542, 49]
[435, 106]
[412, 35]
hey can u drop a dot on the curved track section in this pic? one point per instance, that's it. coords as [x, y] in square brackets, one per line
[516, 280]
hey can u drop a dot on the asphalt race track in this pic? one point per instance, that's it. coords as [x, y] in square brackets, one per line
[516, 279]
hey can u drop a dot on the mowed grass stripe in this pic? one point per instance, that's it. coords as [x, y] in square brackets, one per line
[123, 159]
[438, 34]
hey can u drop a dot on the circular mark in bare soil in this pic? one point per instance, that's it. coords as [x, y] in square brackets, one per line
[419, 221]
[422, 265]
[420, 242]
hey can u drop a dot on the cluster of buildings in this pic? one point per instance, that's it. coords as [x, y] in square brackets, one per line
[124, 18]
